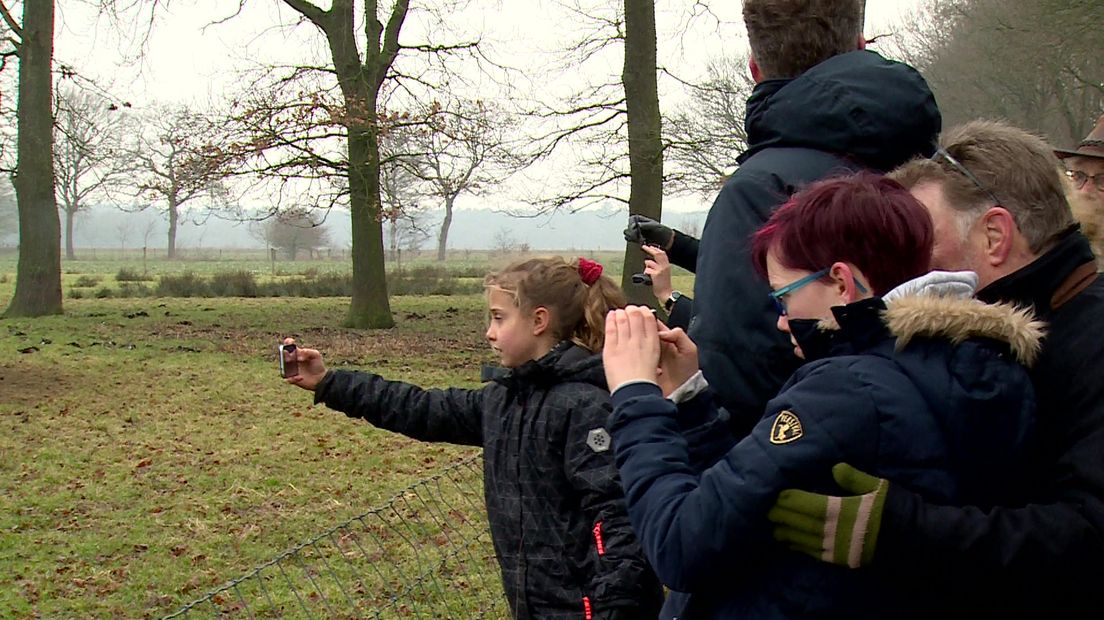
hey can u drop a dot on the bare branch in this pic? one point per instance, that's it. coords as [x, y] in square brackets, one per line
[10, 21]
[390, 46]
[308, 10]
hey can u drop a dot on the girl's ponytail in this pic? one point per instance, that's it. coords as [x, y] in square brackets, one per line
[602, 295]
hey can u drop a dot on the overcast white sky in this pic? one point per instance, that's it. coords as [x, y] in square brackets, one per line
[189, 60]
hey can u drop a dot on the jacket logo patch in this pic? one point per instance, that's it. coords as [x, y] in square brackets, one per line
[598, 439]
[786, 428]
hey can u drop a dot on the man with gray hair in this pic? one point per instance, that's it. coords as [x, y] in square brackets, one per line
[996, 197]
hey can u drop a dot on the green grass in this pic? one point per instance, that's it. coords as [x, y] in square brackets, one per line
[151, 453]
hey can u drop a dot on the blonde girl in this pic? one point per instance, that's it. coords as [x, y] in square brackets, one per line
[554, 501]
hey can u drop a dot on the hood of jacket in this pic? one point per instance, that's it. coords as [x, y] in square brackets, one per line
[878, 112]
[931, 310]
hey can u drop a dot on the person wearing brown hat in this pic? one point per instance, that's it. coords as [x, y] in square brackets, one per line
[1085, 185]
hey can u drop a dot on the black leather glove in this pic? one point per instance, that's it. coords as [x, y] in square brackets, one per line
[643, 229]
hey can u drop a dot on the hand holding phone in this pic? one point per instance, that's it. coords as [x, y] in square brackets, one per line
[288, 357]
[300, 366]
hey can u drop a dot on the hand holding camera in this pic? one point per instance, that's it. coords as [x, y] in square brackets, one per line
[644, 230]
[299, 366]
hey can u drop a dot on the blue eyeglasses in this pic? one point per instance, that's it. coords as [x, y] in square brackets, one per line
[776, 296]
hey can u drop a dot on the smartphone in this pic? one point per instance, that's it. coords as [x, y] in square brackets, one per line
[289, 360]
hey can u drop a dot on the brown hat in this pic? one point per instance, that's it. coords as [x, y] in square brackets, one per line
[1091, 146]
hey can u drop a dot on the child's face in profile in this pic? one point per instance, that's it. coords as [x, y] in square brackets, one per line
[509, 330]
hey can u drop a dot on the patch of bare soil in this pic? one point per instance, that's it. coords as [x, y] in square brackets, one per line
[20, 385]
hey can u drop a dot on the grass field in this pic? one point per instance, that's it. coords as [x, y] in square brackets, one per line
[151, 453]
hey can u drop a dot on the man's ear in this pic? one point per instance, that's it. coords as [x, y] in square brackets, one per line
[999, 228]
[756, 72]
[861, 43]
[541, 320]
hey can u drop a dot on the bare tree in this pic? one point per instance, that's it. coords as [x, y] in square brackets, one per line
[147, 233]
[644, 129]
[704, 137]
[406, 218]
[122, 231]
[691, 227]
[1035, 63]
[89, 153]
[616, 122]
[463, 147]
[355, 117]
[178, 160]
[504, 241]
[295, 231]
[38, 276]
[401, 192]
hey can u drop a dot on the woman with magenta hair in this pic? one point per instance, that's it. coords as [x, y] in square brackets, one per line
[905, 376]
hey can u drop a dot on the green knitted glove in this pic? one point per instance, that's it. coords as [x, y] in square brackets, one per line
[840, 530]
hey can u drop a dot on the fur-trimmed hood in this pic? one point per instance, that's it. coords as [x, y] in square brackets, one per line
[937, 305]
[961, 319]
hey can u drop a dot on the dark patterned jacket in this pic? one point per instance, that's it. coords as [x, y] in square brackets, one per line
[554, 501]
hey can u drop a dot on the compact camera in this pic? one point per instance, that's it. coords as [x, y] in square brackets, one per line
[289, 360]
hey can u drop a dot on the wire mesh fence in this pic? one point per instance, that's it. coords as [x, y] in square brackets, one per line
[425, 553]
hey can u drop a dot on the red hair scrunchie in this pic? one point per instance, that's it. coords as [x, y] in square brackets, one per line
[589, 270]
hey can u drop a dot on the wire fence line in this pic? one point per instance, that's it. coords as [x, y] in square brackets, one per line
[425, 553]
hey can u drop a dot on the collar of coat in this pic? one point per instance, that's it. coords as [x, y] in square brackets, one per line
[566, 361]
[1046, 283]
[859, 326]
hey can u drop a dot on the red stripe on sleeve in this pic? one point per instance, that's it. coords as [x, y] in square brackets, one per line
[598, 538]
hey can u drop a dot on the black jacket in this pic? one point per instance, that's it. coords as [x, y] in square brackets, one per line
[853, 111]
[554, 501]
[683, 251]
[1044, 559]
[931, 395]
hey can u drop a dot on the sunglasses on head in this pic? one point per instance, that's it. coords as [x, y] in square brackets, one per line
[941, 153]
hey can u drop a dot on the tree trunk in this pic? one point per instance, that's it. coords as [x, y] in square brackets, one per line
[645, 145]
[70, 215]
[174, 215]
[394, 242]
[38, 276]
[442, 237]
[369, 306]
[360, 86]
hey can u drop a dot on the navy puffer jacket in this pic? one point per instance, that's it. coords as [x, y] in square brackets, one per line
[888, 392]
[855, 111]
